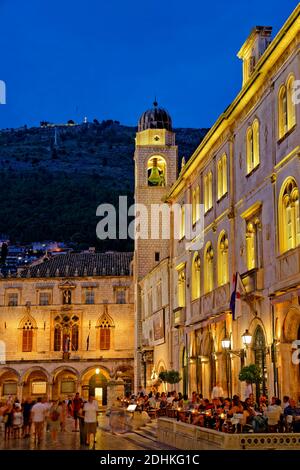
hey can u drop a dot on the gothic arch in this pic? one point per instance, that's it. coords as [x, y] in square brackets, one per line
[105, 318]
[27, 318]
[27, 334]
[291, 324]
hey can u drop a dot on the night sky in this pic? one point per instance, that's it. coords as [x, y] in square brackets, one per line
[65, 59]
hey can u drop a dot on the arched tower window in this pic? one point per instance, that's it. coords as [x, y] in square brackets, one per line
[208, 268]
[223, 259]
[196, 276]
[156, 171]
[289, 217]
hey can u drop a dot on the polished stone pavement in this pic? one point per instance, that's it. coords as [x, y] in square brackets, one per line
[69, 440]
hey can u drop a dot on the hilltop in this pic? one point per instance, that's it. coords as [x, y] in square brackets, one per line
[53, 178]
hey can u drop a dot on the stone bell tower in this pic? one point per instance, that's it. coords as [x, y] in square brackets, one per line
[155, 172]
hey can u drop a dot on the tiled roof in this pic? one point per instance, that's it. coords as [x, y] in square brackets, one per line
[81, 265]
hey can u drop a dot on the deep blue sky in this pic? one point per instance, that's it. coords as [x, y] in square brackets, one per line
[66, 59]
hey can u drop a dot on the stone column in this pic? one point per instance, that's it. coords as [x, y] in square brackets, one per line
[50, 390]
[20, 391]
[115, 389]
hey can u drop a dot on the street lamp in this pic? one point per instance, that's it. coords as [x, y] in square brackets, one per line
[246, 339]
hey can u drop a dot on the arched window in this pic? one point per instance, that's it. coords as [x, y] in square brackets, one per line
[291, 110]
[27, 336]
[286, 107]
[252, 149]
[66, 332]
[105, 326]
[196, 276]
[156, 171]
[289, 218]
[182, 222]
[208, 191]
[181, 287]
[222, 176]
[208, 268]
[282, 112]
[197, 203]
[223, 259]
[194, 217]
[255, 130]
[259, 347]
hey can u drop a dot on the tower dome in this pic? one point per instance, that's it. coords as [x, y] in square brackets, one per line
[155, 118]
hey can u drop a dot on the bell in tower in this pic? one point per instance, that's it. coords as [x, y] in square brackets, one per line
[156, 177]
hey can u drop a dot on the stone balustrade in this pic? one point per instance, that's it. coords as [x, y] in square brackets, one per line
[190, 437]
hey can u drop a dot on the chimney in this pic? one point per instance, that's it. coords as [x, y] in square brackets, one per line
[253, 48]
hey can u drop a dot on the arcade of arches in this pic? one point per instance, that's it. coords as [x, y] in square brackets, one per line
[61, 383]
[205, 363]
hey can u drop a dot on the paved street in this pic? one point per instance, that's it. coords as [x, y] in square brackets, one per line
[105, 440]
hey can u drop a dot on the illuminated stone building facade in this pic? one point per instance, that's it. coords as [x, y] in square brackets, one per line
[246, 173]
[67, 325]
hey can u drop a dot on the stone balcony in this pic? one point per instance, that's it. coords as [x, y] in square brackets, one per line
[179, 316]
[288, 268]
[215, 302]
[222, 298]
[253, 280]
[195, 310]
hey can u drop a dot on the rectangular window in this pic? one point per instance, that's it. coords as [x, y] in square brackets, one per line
[38, 388]
[104, 338]
[27, 340]
[121, 296]
[45, 298]
[157, 256]
[13, 299]
[89, 296]
[9, 388]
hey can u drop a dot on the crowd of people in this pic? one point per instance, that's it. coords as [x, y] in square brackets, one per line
[221, 413]
[35, 417]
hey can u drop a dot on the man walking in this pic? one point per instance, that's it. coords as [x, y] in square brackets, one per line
[38, 414]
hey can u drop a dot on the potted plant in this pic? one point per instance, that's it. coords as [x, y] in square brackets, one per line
[170, 376]
[250, 374]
